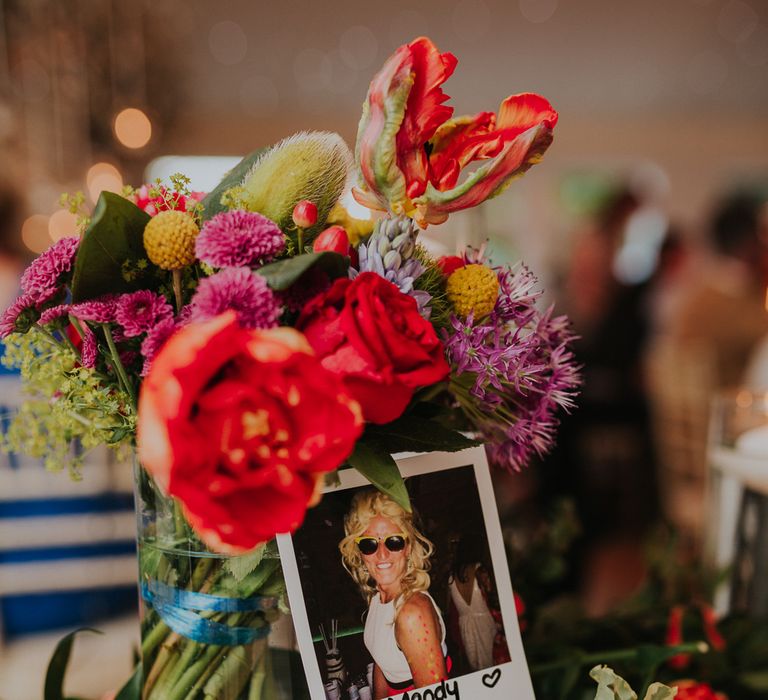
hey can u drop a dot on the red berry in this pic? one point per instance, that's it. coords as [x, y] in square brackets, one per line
[305, 214]
[334, 239]
[450, 263]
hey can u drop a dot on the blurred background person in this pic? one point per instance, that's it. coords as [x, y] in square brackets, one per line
[703, 348]
[605, 456]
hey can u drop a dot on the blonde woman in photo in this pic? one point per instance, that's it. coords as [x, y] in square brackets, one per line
[388, 558]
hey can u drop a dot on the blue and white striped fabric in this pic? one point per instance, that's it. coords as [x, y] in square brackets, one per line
[67, 549]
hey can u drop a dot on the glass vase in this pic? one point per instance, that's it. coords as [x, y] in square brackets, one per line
[213, 627]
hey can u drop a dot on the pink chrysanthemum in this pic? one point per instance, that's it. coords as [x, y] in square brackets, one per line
[44, 273]
[18, 317]
[239, 289]
[90, 349]
[139, 311]
[155, 340]
[53, 314]
[101, 310]
[239, 239]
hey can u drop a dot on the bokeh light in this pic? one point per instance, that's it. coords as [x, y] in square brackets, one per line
[537, 11]
[133, 128]
[312, 70]
[103, 177]
[227, 43]
[343, 76]
[736, 21]
[62, 224]
[754, 51]
[34, 233]
[359, 47]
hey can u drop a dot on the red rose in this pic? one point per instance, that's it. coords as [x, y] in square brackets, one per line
[240, 425]
[372, 335]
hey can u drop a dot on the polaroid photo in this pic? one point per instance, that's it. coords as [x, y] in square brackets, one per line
[367, 583]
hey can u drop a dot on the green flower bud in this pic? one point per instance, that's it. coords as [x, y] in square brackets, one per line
[306, 166]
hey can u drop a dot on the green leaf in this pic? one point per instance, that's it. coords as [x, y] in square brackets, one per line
[57, 666]
[212, 203]
[415, 434]
[377, 465]
[240, 567]
[282, 274]
[113, 240]
[132, 689]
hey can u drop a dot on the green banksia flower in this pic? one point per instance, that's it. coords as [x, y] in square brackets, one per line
[308, 165]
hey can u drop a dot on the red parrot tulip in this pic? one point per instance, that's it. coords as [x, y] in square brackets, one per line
[411, 153]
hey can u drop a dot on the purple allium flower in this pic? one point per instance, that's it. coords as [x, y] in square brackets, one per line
[240, 289]
[100, 310]
[239, 239]
[19, 317]
[53, 314]
[45, 272]
[155, 340]
[514, 370]
[139, 311]
[90, 350]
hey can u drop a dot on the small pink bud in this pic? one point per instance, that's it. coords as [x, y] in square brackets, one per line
[305, 214]
[334, 239]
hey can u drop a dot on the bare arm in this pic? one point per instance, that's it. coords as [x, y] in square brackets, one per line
[418, 634]
[379, 684]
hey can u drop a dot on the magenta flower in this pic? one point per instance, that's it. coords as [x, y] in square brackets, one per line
[19, 317]
[155, 340]
[53, 314]
[24, 312]
[239, 239]
[45, 272]
[90, 350]
[101, 310]
[240, 289]
[138, 312]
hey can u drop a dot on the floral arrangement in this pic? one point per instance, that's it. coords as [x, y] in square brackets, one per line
[257, 338]
[252, 340]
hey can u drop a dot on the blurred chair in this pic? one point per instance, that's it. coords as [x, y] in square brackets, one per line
[681, 380]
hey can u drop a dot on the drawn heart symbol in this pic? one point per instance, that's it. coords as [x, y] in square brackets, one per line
[491, 679]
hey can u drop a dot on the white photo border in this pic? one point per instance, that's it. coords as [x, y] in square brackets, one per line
[513, 678]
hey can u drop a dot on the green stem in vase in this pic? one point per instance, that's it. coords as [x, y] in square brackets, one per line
[232, 675]
[190, 649]
[151, 640]
[260, 677]
[161, 661]
[202, 669]
[167, 672]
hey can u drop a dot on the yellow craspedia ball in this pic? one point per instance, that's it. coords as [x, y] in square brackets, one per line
[169, 239]
[473, 288]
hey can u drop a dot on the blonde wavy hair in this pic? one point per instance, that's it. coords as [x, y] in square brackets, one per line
[365, 506]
